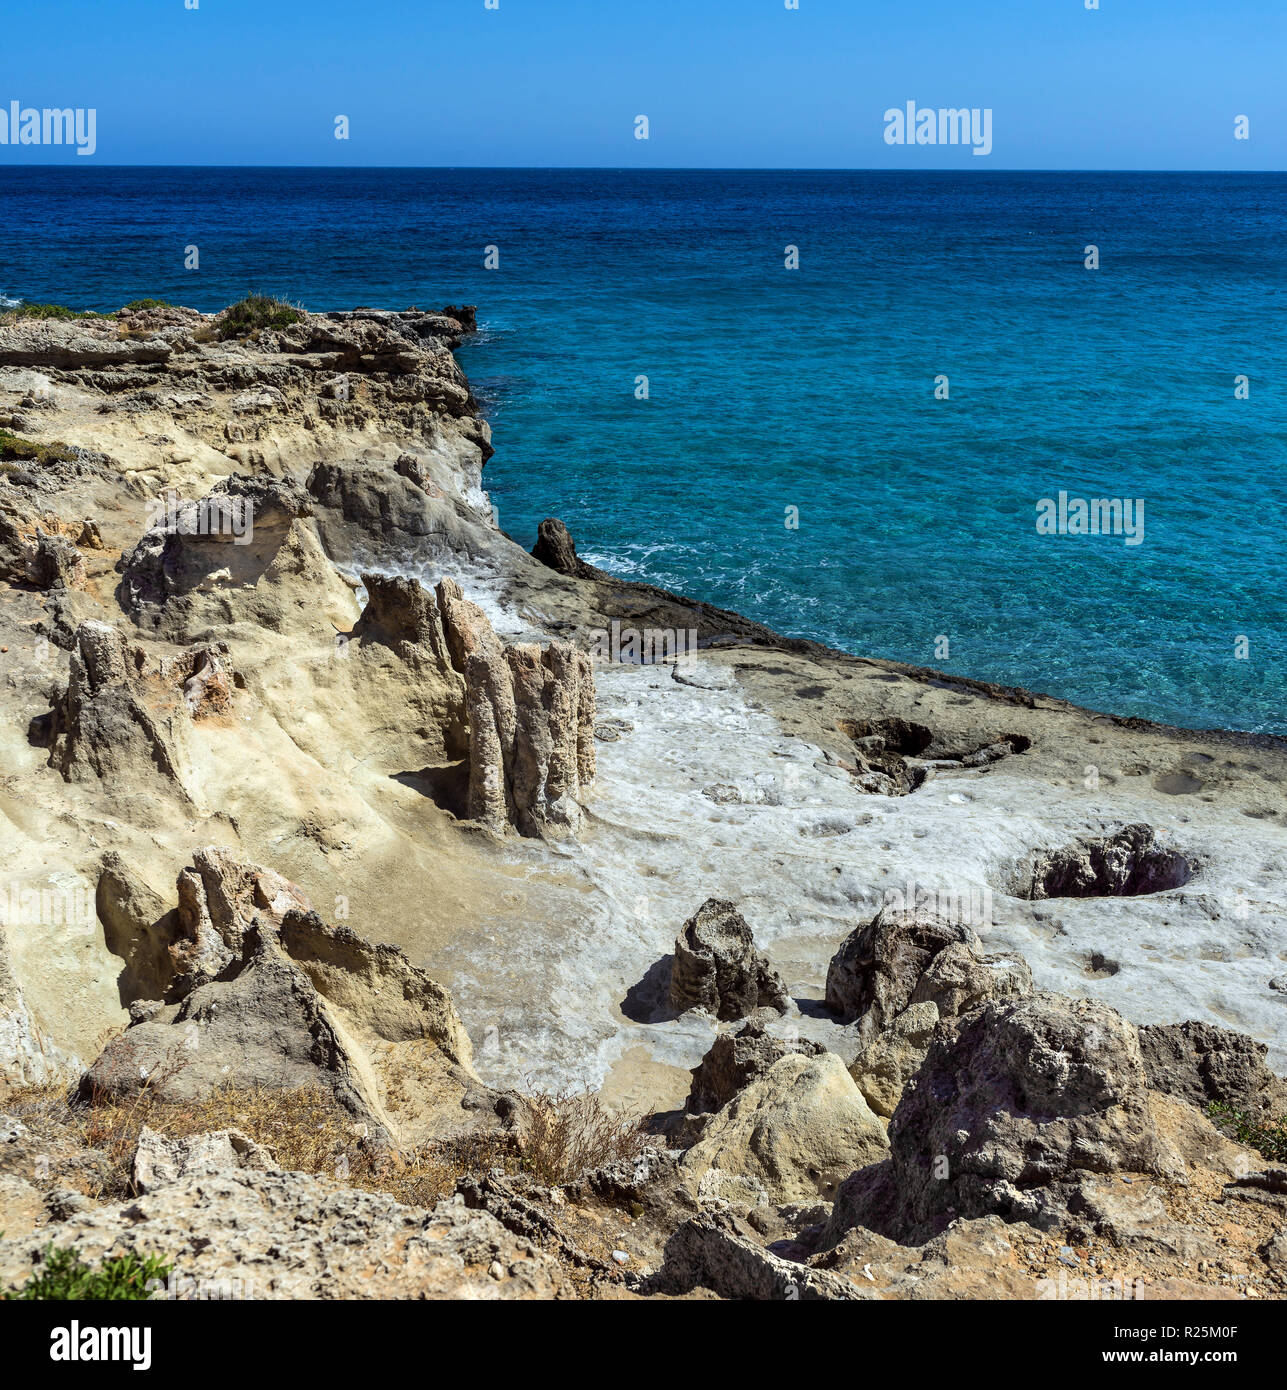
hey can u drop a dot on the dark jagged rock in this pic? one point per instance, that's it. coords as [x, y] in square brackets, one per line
[465, 315]
[722, 1252]
[555, 547]
[1201, 1063]
[1125, 864]
[1007, 1117]
[55, 563]
[717, 967]
[901, 958]
[126, 714]
[734, 1060]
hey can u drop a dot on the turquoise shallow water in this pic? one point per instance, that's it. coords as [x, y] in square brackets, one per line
[813, 388]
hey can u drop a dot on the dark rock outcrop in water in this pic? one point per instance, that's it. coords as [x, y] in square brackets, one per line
[555, 547]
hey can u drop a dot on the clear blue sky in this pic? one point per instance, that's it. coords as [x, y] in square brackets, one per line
[748, 83]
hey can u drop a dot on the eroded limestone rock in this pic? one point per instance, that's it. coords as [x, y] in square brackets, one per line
[266, 994]
[526, 713]
[104, 726]
[790, 1136]
[126, 714]
[1127, 863]
[899, 977]
[901, 958]
[158, 1160]
[27, 1056]
[1007, 1116]
[244, 1233]
[1202, 1063]
[720, 1251]
[734, 1060]
[888, 1062]
[718, 969]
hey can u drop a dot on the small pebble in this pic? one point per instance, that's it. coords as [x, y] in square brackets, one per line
[621, 1257]
[496, 1269]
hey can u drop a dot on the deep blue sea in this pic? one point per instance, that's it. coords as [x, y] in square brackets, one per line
[814, 388]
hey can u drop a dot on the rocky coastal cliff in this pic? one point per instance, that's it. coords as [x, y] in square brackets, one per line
[324, 797]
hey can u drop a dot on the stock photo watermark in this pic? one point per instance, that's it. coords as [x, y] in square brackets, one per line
[943, 125]
[1095, 516]
[642, 647]
[50, 125]
[217, 515]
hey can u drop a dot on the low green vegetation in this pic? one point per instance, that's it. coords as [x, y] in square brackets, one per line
[64, 1276]
[255, 312]
[49, 311]
[13, 448]
[136, 306]
[1267, 1135]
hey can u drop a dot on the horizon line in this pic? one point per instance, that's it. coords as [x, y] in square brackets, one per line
[650, 169]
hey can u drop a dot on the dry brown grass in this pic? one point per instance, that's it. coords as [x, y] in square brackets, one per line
[305, 1129]
[567, 1134]
[561, 1137]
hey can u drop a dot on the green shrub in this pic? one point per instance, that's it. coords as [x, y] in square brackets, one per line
[49, 311]
[254, 312]
[64, 1276]
[136, 305]
[13, 446]
[1268, 1136]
